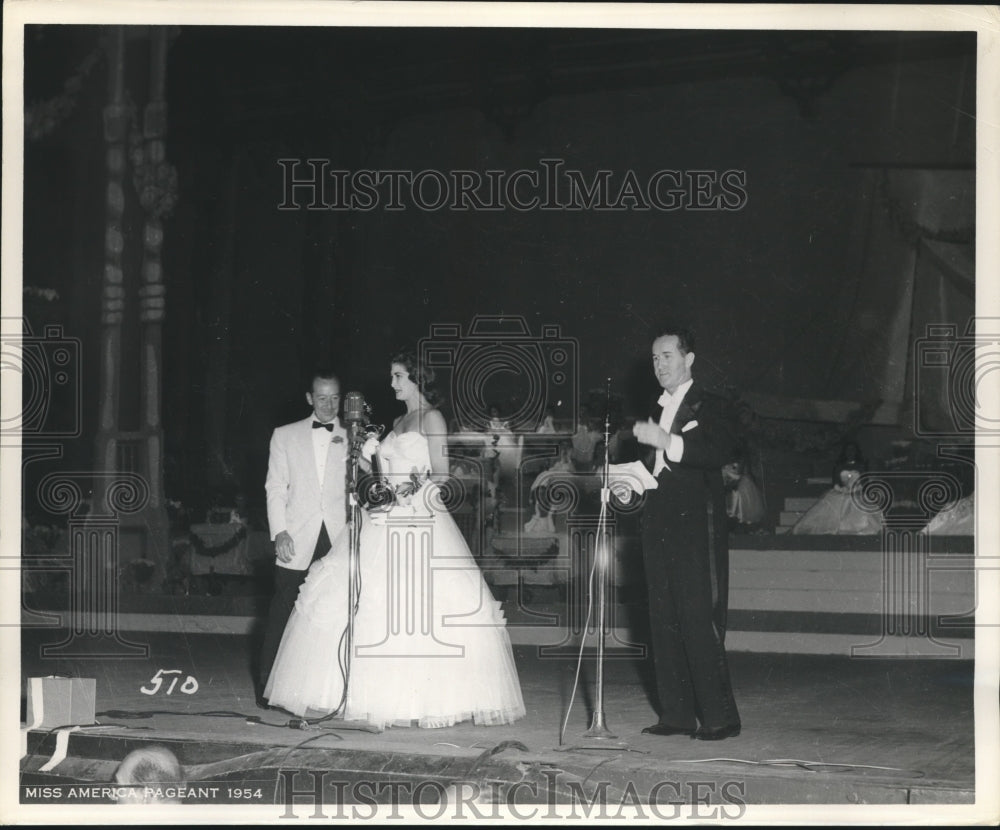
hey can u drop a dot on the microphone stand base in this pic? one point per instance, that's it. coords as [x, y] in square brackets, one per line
[599, 730]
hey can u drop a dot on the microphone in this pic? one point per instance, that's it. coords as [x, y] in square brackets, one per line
[354, 408]
[372, 488]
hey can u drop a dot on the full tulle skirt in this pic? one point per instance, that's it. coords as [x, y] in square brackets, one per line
[837, 513]
[430, 644]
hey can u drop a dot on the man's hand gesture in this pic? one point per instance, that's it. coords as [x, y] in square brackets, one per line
[652, 434]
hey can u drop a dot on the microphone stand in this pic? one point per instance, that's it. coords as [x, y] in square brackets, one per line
[353, 543]
[598, 726]
[353, 571]
[353, 508]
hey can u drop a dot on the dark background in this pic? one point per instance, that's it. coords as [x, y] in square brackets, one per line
[855, 146]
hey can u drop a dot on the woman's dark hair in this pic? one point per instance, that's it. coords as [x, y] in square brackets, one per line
[845, 462]
[849, 449]
[421, 374]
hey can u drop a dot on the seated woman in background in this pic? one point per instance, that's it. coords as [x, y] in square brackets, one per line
[744, 500]
[541, 522]
[585, 441]
[496, 422]
[850, 458]
[957, 518]
[548, 423]
[839, 513]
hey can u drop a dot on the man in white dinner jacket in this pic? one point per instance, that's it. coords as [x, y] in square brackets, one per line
[306, 507]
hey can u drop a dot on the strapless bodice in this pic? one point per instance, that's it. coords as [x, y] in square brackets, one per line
[404, 454]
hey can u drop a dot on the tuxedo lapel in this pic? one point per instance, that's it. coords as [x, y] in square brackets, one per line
[648, 454]
[335, 451]
[655, 412]
[688, 410]
[304, 449]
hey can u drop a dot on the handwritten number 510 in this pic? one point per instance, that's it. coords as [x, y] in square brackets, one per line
[188, 687]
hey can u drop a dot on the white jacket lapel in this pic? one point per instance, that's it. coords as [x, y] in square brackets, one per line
[304, 449]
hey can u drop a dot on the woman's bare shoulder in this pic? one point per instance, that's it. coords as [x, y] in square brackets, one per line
[433, 423]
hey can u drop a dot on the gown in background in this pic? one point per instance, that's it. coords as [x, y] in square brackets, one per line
[955, 519]
[838, 513]
[430, 641]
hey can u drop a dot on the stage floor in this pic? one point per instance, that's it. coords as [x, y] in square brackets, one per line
[816, 729]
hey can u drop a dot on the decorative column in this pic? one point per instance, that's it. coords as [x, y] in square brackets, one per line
[113, 294]
[413, 627]
[156, 184]
[93, 623]
[906, 569]
[583, 542]
[583, 534]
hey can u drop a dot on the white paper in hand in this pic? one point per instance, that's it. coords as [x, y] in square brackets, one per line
[626, 479]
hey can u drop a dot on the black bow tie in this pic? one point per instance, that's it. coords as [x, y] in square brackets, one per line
[320, 425]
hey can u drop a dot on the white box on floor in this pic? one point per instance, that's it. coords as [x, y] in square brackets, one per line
[60, 701]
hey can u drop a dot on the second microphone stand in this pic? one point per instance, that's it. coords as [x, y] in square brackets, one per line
[353, 542]
[598, 726]
[357, 432]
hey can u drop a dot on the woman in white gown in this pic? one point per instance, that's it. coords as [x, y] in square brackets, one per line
[839, 513]
[430, 643]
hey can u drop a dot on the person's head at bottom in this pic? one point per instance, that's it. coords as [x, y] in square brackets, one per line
[151, 775]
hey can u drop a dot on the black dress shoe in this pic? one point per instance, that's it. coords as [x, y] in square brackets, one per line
[717, 733]
[262, 702]
[666, 729]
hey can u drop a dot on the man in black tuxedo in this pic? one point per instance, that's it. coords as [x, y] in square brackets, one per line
[685, 549]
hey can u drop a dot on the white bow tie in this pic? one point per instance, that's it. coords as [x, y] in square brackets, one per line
[665, 398]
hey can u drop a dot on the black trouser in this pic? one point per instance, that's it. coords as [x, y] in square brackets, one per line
[692, 673]
[286, 590]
